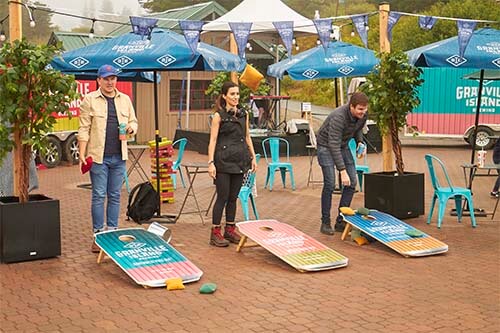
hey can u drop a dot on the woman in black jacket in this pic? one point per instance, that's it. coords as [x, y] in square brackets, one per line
[230, 156]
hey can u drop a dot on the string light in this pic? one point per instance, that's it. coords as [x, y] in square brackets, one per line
[30, 15]
[318, 41]
[32, 19]
[297, 47]
[294, 41]
[91, 32]
[2, 31]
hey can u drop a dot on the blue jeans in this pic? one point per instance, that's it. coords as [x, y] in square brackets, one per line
[325, 160]
[107, 179]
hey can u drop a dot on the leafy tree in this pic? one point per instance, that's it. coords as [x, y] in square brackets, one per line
[409, 6]
[215, 87]
[39, 34]
[30, 95]
[162, 5]
[106, 9]
[393, 94]
[468, 9]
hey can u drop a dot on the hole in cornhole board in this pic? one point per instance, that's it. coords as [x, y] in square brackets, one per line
[368, 217]
[266, 228]
[127, 238]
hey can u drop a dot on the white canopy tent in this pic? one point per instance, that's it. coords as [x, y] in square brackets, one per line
[262, 14]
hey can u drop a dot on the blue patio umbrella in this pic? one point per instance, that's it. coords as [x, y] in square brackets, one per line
[338, 60]
[483, 52]
[165, 51]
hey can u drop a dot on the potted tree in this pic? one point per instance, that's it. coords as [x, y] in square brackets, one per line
[392, 92]
[31, 93]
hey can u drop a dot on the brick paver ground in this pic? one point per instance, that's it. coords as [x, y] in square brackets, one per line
[379, 291]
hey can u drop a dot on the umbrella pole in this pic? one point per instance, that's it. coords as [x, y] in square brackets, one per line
[158, 217]
[476, 123]
[477, 211]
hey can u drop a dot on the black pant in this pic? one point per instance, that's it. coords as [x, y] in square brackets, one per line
[227, 186]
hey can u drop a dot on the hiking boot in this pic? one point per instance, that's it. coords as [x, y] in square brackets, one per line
[326, 228]
[217, 239]
[94, 248]
[339, 226]
[230, 234]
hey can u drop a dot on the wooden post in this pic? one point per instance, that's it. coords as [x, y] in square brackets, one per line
[385, 46]
[233, 48]
[15, 33]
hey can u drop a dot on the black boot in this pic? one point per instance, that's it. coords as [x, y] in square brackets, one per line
[340, 225]
[326, 228]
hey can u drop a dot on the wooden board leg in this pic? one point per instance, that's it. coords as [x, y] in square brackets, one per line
[347, 228]
[100, 256]
[241, 244]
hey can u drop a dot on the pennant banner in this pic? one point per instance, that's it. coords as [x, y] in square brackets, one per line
[191, 31]
[465, 30]
[143, 25]
[324, 28]
[285, 29]
[241, 31]
[393, 19]
[361, 22]
[426, 22]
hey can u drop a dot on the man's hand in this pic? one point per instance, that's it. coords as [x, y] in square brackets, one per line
[360, 150]
[344, 177]
[129, 129]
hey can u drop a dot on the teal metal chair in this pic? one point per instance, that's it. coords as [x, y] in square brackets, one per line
[443, 194]
[274, 164]
[181, 143]
[246, 194]
[361, 169]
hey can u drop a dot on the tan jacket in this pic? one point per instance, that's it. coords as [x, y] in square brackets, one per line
[93, 120]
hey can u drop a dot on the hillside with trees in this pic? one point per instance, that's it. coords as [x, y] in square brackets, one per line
[40, 33]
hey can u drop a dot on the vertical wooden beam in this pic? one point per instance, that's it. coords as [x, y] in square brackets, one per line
[385, 46]
[233, 48]
[15, 33]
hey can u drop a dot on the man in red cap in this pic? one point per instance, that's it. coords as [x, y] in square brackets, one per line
[102, 112]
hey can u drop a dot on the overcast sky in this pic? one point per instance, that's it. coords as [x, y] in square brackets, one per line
[77, 7]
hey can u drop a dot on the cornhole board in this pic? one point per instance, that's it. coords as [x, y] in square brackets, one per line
[146, 257]
[391, 231]
[297, 249]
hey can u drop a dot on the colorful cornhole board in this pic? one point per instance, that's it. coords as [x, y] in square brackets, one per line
[146, 257]
[392, 232]
[290, 245]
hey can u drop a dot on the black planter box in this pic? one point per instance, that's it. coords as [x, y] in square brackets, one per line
[31, 230]
[401, 196]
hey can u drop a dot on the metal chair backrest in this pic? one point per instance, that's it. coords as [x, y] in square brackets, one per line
[249, 178]
[182, 145]
[434, 173]
[274, 149]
